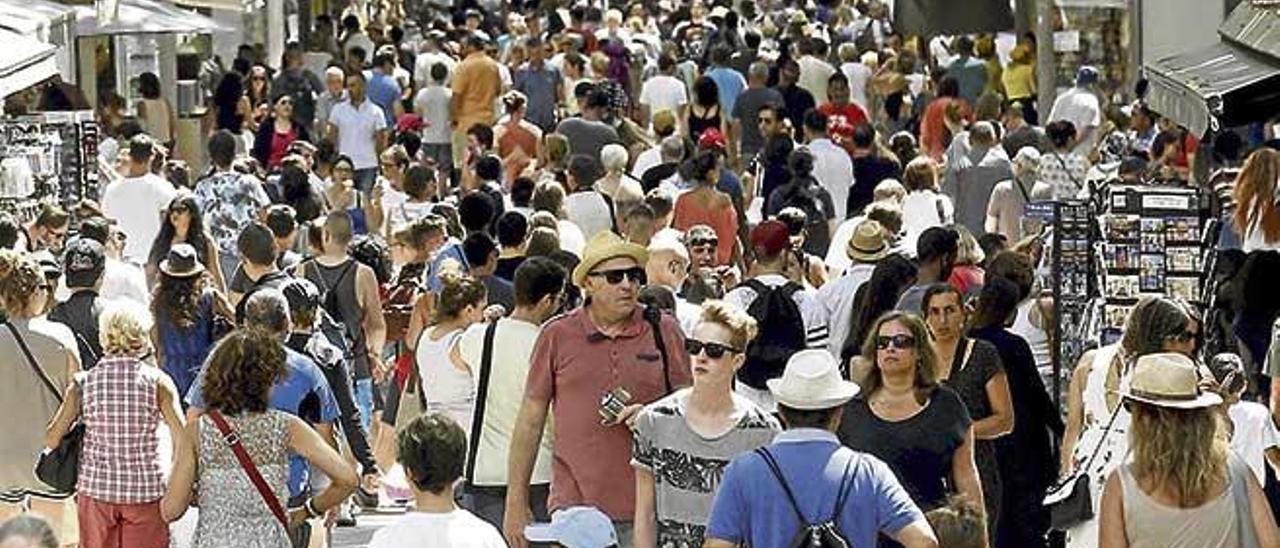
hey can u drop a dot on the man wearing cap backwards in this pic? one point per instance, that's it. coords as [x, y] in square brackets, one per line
[1079, 105]
[83, 265]
[771, 241]
[866, 248]
[583, 362]
[752, 508]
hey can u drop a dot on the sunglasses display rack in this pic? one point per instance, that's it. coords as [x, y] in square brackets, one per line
[1153, 247]
[1069, 233]
[48, 157]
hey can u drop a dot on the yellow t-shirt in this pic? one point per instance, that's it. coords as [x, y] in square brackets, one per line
[1019, 80]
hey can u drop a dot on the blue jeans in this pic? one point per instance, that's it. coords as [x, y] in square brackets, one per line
[364, 400]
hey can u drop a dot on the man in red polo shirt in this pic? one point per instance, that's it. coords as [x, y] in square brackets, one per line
[605, 347]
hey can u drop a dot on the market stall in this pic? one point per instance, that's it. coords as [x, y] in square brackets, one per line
[24, 62]
[48, 22]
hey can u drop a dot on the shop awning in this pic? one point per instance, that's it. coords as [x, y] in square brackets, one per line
[34, 17]
[24, 62]
[145, 17]
[1254, 24]
[1187, 88]
[951, 17]
[232, 5]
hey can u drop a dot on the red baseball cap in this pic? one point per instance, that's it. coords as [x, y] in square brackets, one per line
[711, 138]
[771, 237]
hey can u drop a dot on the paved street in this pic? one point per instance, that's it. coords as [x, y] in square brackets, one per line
[366, 524]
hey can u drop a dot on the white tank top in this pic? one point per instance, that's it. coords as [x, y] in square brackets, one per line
[446, 388]
[1218, 523]
[1035, 335]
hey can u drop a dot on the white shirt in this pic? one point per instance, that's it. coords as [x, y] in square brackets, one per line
[833, 167]
[446, 388]
[571, 238]
[589, 211]
[137, 205]
[837, 259]
[837, 297]
[814, 74]
[432, 103]
[456, 529]
[358, 129]
[646, 160]
[512, 355]
[920, 212]
[1080, 107]
[663, 92]
[422, 67]
[858, 75]
[1254, 434]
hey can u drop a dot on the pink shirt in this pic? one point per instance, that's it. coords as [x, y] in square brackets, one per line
[574, 365]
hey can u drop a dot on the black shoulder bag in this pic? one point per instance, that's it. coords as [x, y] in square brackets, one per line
[1077, 506]
[59, 468]
[482, 398]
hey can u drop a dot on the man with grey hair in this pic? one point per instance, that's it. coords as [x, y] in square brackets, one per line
[975, 163]
[1009, 198]
[335, 92]
[303, 391]
[745, 128]
[672, 151]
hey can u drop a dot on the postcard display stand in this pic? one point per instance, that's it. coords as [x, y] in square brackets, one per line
[1153, 247]
[1072, 281]
[47, 158]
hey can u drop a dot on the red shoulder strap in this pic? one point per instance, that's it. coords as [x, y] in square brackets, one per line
[233, 441]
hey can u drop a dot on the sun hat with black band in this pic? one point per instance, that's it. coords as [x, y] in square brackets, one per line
[604, 246]
[812, 381]
[182, 262]
[868, 243]
[1168, 379]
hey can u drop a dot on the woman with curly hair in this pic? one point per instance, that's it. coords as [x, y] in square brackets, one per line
[1182, 487]
[29, 400]
[185, 309]
[237, 389]
[184, 224]
[121, 402]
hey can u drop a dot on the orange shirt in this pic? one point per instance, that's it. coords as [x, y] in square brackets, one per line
[723, 220]
[476, 85]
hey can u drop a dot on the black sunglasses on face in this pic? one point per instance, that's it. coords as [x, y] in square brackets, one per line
[614, 277]
[714, 351]
[899, 341]
[702, 242]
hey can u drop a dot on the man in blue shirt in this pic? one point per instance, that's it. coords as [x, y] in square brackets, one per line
[751, 508]
[383, 89]
[730, 82]
[541, 84]
[303, 392]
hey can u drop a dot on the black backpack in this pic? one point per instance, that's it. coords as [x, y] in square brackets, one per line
[825, 534]
[767, 355]
[806, 195]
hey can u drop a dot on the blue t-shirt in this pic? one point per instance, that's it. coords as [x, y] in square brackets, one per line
[304, 393]
[752, 509]
[384, 91]
[730, 84]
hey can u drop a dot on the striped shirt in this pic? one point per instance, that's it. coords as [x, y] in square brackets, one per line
[120, 462]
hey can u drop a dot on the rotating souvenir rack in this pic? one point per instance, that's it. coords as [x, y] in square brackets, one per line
[1153, 246]
[51, 157]
[1068, 229]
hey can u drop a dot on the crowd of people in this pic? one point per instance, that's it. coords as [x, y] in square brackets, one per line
[660, 275]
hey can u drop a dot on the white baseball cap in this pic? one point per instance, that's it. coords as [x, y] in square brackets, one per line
[575, 527]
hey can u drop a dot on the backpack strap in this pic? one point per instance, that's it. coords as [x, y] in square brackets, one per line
[757, 286]
[843, 495]
[777, 473]
[482, 397]
[654, 317]
[246, 463]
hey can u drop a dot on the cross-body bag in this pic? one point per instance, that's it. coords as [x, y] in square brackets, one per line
[1070, 502]
[482, 398]
[250, 469]
[58, 468]
[654, 317]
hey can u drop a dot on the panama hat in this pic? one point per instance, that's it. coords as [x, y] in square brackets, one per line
[604, 246]
[868, 243]
[182, 262]
[1168, 379]
[812, 381]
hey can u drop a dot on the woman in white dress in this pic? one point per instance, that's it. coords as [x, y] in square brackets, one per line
[1155, 325]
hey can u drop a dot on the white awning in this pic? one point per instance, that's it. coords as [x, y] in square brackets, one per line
[231, 5]
[145, 17]
[24, 62]
[34, 17]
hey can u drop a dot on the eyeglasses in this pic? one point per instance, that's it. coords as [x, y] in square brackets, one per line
[614, 277]
[899, 341]
[714, 351]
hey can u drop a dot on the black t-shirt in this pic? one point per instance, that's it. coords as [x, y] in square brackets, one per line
[274, 279]
[969, 380]
[507, 267]
[80, 313]
[868, 171]
[918, 449]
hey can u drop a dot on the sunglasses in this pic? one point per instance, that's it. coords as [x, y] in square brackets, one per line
[702, 242]
[614, 277]
[714, 351]
[899, 341]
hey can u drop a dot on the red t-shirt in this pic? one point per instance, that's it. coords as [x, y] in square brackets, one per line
[279, 144]
[850, 113]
